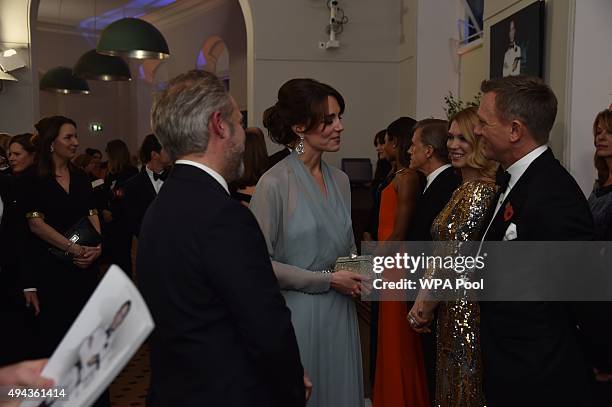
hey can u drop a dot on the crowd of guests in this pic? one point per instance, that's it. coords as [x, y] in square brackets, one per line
[236, 249]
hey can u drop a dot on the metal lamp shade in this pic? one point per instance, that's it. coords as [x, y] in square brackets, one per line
[100, 67]
[133, 38]
[61, 80]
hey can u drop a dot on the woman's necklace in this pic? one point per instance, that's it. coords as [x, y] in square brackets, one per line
[392, 175]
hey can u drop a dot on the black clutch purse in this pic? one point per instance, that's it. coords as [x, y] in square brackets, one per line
[82, 233]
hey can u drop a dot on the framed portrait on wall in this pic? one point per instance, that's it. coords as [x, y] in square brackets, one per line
[517, 43]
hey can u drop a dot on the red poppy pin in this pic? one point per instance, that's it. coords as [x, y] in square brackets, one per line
[508, 212]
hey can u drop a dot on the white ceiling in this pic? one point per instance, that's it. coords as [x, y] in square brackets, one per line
[81, 12]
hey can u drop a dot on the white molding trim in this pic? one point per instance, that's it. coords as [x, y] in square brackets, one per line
[569, 80]
[180, 11]
[464, 49]
[66, 29]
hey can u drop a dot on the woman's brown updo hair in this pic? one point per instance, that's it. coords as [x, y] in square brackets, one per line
[300, 102]
[48, 129]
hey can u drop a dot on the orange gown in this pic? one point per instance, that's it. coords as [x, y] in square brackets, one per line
[400, 379]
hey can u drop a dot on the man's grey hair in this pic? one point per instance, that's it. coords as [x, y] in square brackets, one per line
[434, 133]
[180, 113]
[527, 99]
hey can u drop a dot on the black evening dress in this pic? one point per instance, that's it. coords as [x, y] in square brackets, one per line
[63, 288]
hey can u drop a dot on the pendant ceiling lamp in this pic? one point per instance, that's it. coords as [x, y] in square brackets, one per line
[100, 67]
[133, 38]
[62, 80]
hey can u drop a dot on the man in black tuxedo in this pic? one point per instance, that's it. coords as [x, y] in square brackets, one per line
[531, 353]
[223, 333]
[141, 189]
[429, 155]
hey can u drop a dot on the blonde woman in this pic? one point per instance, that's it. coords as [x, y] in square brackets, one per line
[458, 360]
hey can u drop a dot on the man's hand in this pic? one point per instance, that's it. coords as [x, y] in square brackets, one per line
[307, 386]
[31, 299]
[23, 374]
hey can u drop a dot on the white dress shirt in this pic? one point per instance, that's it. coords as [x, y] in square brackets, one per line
[516, 171]
[434, 174]
[208, 170]
[157, 184]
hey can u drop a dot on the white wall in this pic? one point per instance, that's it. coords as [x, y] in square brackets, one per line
[364, 69]
[436, 55]
[591, 90]
[408, 10]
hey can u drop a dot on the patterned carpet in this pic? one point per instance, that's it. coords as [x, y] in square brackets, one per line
[131, 386]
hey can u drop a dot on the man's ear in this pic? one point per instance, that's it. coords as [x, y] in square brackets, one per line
[429, 150]
[517, 131]
[216, 124]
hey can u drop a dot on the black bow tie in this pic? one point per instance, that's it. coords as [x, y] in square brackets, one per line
[502, 179]
[162, 175]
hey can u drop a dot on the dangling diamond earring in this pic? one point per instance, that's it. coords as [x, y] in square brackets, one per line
[300, 146]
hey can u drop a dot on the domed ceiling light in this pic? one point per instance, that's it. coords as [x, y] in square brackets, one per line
[62, 80]
[133, 38]
[95, 66]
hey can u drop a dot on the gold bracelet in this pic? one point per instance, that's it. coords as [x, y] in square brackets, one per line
[67, 252]
[35, 215]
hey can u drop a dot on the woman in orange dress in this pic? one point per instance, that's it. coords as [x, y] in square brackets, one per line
[400, 379]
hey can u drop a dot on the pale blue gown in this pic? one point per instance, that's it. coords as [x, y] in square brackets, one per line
[306, 232]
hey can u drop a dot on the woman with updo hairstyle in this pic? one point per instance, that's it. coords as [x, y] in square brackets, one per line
[13, 257]
[59, 197]
[303, 207]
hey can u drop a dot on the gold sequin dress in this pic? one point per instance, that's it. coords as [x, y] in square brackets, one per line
[458, 360]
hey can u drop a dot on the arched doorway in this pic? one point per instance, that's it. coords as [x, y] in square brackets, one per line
[214, 57]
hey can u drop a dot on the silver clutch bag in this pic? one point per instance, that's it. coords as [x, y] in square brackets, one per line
[363, 265]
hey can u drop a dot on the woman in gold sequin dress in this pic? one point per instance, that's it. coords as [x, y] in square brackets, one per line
[458, 360]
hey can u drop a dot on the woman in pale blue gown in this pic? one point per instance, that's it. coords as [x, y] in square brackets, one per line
[304, 209]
